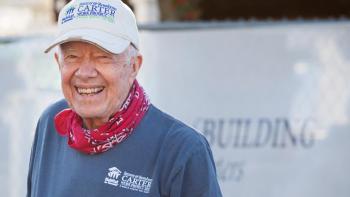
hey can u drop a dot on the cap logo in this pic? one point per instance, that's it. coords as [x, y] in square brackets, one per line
[89, 10]
[69, 14]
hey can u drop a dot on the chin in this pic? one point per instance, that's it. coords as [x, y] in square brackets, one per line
[85, 113]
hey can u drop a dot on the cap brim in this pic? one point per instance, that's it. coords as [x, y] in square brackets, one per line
[103, 40]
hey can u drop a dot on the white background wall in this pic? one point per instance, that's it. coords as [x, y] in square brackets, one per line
[249, 89]
[23, 17]
[272, 99]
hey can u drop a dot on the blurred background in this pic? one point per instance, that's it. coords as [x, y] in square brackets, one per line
[267, 83]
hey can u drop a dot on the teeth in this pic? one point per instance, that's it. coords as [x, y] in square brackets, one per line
[89, 90]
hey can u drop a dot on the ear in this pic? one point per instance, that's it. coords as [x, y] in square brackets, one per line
[136, 65]
[57, 60]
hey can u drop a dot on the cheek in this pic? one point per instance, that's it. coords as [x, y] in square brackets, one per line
[126, 80]
[119, 85]
[127, 77]
[67, 72]
[66, 77]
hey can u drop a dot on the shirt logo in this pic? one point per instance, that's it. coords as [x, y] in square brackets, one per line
[128, 180]
[112, 176]
[90, 10]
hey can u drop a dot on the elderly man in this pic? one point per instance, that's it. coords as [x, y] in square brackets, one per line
[105, 138]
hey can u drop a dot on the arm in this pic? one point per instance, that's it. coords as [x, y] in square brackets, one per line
[32, 156]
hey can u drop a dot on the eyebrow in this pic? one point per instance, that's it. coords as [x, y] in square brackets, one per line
[68, 48]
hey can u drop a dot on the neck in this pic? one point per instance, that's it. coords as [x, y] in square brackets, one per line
[94, 123]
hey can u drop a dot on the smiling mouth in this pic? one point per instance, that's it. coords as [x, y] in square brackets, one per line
[89, 91]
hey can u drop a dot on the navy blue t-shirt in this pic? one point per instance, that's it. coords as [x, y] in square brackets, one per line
[162, 157]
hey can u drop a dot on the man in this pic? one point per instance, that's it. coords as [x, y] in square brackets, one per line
[105, 138]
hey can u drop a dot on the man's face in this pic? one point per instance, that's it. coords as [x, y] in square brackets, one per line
[94, 82]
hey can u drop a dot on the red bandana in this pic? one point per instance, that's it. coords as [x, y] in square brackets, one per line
[118, 128]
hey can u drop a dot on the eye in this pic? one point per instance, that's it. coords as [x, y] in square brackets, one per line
[103, 57]
[70, 57]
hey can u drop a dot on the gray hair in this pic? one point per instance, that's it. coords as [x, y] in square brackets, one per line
[131, 53]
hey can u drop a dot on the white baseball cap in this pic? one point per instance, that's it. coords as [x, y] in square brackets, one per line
[108, 24]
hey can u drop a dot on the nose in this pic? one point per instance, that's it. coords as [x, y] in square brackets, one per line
[86, 70]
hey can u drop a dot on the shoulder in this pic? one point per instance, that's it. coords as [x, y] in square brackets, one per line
[178, 131]
[45, 126]
[49, 113]
[187, 164]
[180, 139]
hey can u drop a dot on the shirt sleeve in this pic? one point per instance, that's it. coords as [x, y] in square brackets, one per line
[197, 177]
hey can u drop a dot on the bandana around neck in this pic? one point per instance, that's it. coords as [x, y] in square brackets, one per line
[118, 128]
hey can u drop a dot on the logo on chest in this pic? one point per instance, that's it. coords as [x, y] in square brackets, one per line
[112, 176]
[129, 181]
